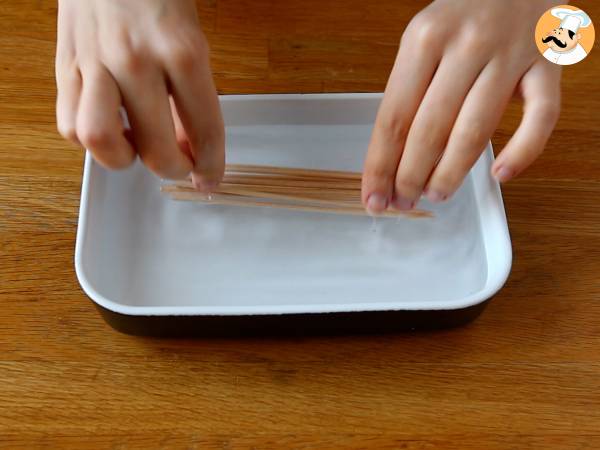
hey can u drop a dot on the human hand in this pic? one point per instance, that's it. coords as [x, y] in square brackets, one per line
[151, 57]
[458, 65]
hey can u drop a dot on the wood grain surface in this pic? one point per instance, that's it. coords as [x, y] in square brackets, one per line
[524, 375]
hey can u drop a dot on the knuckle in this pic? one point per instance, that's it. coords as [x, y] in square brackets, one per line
[182, 58]
[67, 74]
[424, 32]
[472, 136]
[129, 58]
[66, 127]
[548, 110]
[67, 130]
[379, 171]
[197, 40]
[94, 137]
[93, 73]
[474, 42]
[429, 133]
[394, 127]
[121, 35]
[184, 53]
[408, 184]
[64, 59]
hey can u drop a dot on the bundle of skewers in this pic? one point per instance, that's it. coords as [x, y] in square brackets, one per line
[324, 191]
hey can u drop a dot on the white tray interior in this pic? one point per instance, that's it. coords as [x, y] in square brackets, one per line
[138, 252]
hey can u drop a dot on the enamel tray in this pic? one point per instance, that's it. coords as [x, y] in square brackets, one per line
[154, 266]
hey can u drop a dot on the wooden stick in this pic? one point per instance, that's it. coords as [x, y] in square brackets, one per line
[289, 197]
[292, 172]
[285, 187]
[298, 195]
[220, 199]
[274, 181]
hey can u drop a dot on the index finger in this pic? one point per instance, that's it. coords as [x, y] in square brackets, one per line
[198, 107]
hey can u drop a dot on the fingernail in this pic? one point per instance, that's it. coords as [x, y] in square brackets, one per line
[376, 204]
[503, 174]
[436, 197]
[403, 204]
[204, 185]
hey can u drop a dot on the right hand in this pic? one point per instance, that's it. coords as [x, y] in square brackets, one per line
[151, 57]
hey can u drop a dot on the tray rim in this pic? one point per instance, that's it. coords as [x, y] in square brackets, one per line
[493, 284]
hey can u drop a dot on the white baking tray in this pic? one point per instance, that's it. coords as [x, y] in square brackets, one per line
[141, 254]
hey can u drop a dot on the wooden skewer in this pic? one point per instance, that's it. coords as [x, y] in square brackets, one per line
[280, 187]
[219, 199]
[278, 182]
[293, 172]
[310, 194]
[267, 195]
[309, 191]
[274, 186]
[297, 191]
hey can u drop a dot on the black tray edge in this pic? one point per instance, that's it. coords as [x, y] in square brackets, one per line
[322, 324]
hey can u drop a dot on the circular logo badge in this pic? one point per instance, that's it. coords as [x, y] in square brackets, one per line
[564, 35]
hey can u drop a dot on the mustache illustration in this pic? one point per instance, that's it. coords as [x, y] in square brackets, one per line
[555, 40]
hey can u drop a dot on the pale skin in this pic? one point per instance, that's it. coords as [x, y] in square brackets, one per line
[459, 62]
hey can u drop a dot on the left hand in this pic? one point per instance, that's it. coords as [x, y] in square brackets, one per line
[458, 65]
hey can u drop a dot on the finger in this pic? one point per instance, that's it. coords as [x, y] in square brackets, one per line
[418, 56]
[180, 134]
[68, 80]
[476, 122]
[433, 123]
[99, 124]
[198, 108]
[540, 88]
[146, 100]
[68, 83]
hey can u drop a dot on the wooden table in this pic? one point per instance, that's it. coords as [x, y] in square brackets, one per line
[526, 374]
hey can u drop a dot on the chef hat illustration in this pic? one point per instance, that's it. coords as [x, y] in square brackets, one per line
[572, 20]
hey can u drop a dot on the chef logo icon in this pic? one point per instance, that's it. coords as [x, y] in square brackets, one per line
[564, 35]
